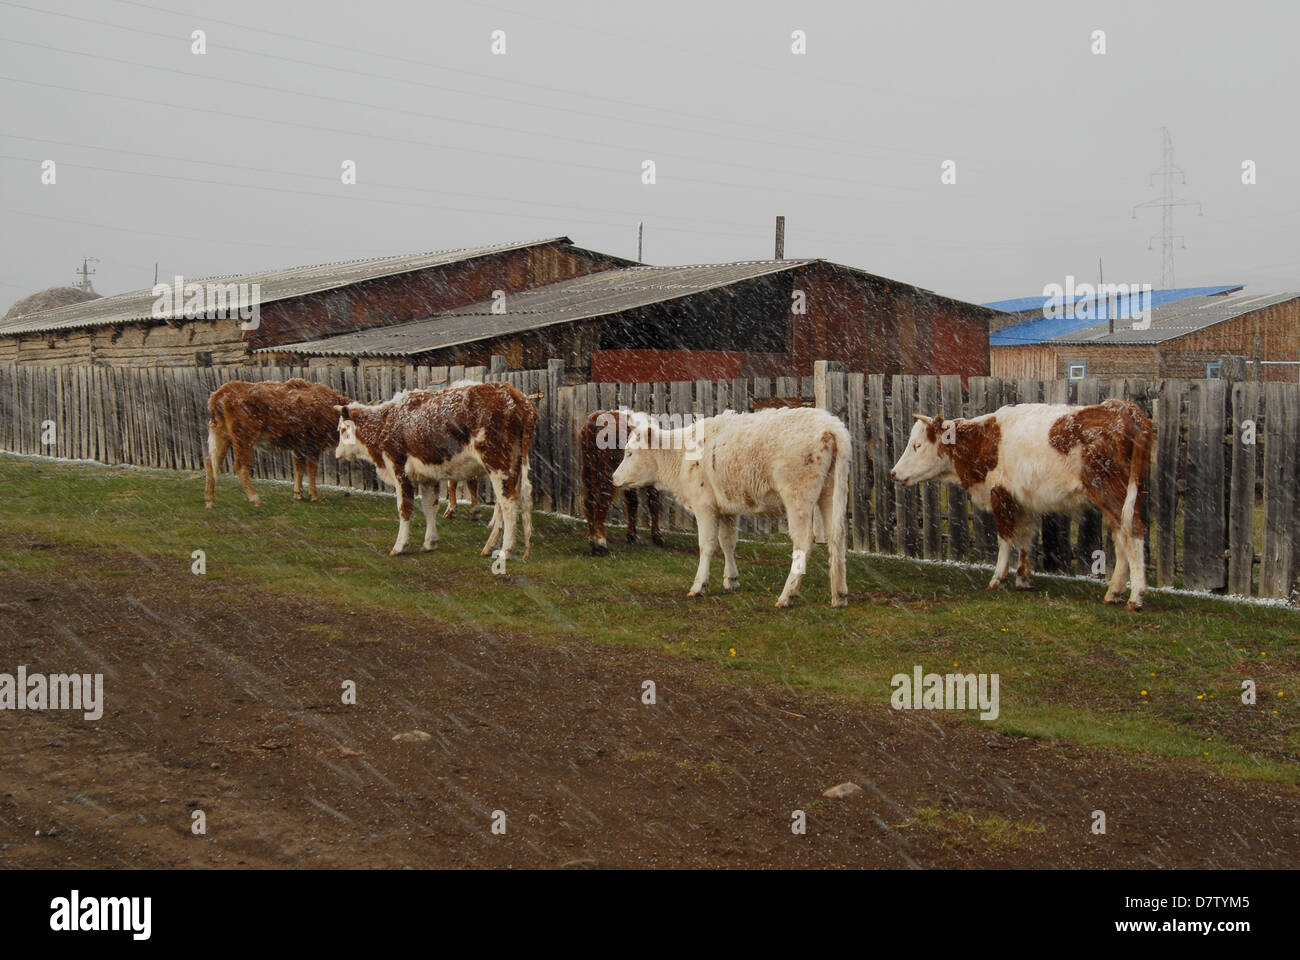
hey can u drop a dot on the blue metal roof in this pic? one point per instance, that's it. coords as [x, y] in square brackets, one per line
[1039, 328]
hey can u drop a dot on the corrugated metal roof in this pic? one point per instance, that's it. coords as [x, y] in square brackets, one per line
[1177, 319]
[1041, 329]
[1039, 303]
[274, 285]
[582, 298]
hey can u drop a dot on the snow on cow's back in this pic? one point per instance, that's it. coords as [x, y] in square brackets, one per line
[750, 457]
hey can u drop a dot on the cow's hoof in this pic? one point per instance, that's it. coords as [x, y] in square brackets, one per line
[317, 500]
[429, 547]
[599, 550]
[783, 603]
[694, 593]
[1024, 584]
[297, 496]
[657, 540]
[475, 516]
[1114, 598]
[731, 585]
[258, 503]
[1133, 606]
[209, 505]
[993, 585]
[839, 601]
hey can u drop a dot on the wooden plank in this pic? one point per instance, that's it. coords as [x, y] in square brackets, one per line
[860, 470]
[1241, 495]
[1281, 498]
[907, 500]
[1055, 531]
[879, 436]
[931, 514]
[985, 396]
[1090, 538]
[1204, 529]
[959, 540]
[1171, 399]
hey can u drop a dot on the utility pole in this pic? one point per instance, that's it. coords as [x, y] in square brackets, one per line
[1167, 201]
[780, 238]
[639, 233]
[85, 273]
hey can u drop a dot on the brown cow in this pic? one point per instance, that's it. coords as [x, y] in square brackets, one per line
[601, 443]
[422, 436]
[1033, 458]
[295, 415]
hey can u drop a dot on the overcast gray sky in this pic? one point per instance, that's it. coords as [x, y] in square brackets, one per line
[231, 161]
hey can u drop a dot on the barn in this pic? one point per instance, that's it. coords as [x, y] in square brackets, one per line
[293, 304]
[703, 321]
[1192, 333]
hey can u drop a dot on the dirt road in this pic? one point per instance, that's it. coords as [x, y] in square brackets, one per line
[225, 699]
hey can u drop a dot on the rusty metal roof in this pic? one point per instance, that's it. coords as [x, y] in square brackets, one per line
[582, 298]
[137, 305]
[1174, 320]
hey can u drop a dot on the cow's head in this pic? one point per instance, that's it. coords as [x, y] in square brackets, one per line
[349, 447]
[640, 466]
[925, 458]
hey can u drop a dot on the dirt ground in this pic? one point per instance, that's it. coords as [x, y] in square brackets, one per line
[225, 699]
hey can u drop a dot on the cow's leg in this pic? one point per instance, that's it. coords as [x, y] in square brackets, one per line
[312, 464]
[429, 504]
[473, 499]
[502, 530]
[728, 528]
[652, 500]
[630, 503]
[1119, 576]
[218, 444]
[1138, 570]
[706, 530]
[1006, 519]
[405, 507]
[599, 494]
[450, 487]
[799, 516]
[1003, 564]
[243, 462]
[1024, 545]
[299, 462]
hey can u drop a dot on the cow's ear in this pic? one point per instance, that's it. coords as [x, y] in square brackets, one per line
[341, 410]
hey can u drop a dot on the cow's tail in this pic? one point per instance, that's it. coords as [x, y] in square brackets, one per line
[837, 528]
[1139, 427]
[211, 466]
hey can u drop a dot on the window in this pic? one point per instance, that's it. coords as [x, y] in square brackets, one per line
[1076, 370]
[1212, 370]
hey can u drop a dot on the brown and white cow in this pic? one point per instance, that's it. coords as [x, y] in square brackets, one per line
[422, 436]
[1029, 459]
[601, 442]
[723, 467]
[295, 415]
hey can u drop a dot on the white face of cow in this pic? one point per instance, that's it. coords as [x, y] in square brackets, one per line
[922, 460]
[639, 466]
[349, 447]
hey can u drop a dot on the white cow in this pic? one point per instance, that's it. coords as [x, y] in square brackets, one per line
[719, 468]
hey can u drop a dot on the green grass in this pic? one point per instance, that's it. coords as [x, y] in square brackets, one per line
[1072, 668]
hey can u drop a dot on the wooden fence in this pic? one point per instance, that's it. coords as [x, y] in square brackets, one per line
[1223, 495]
